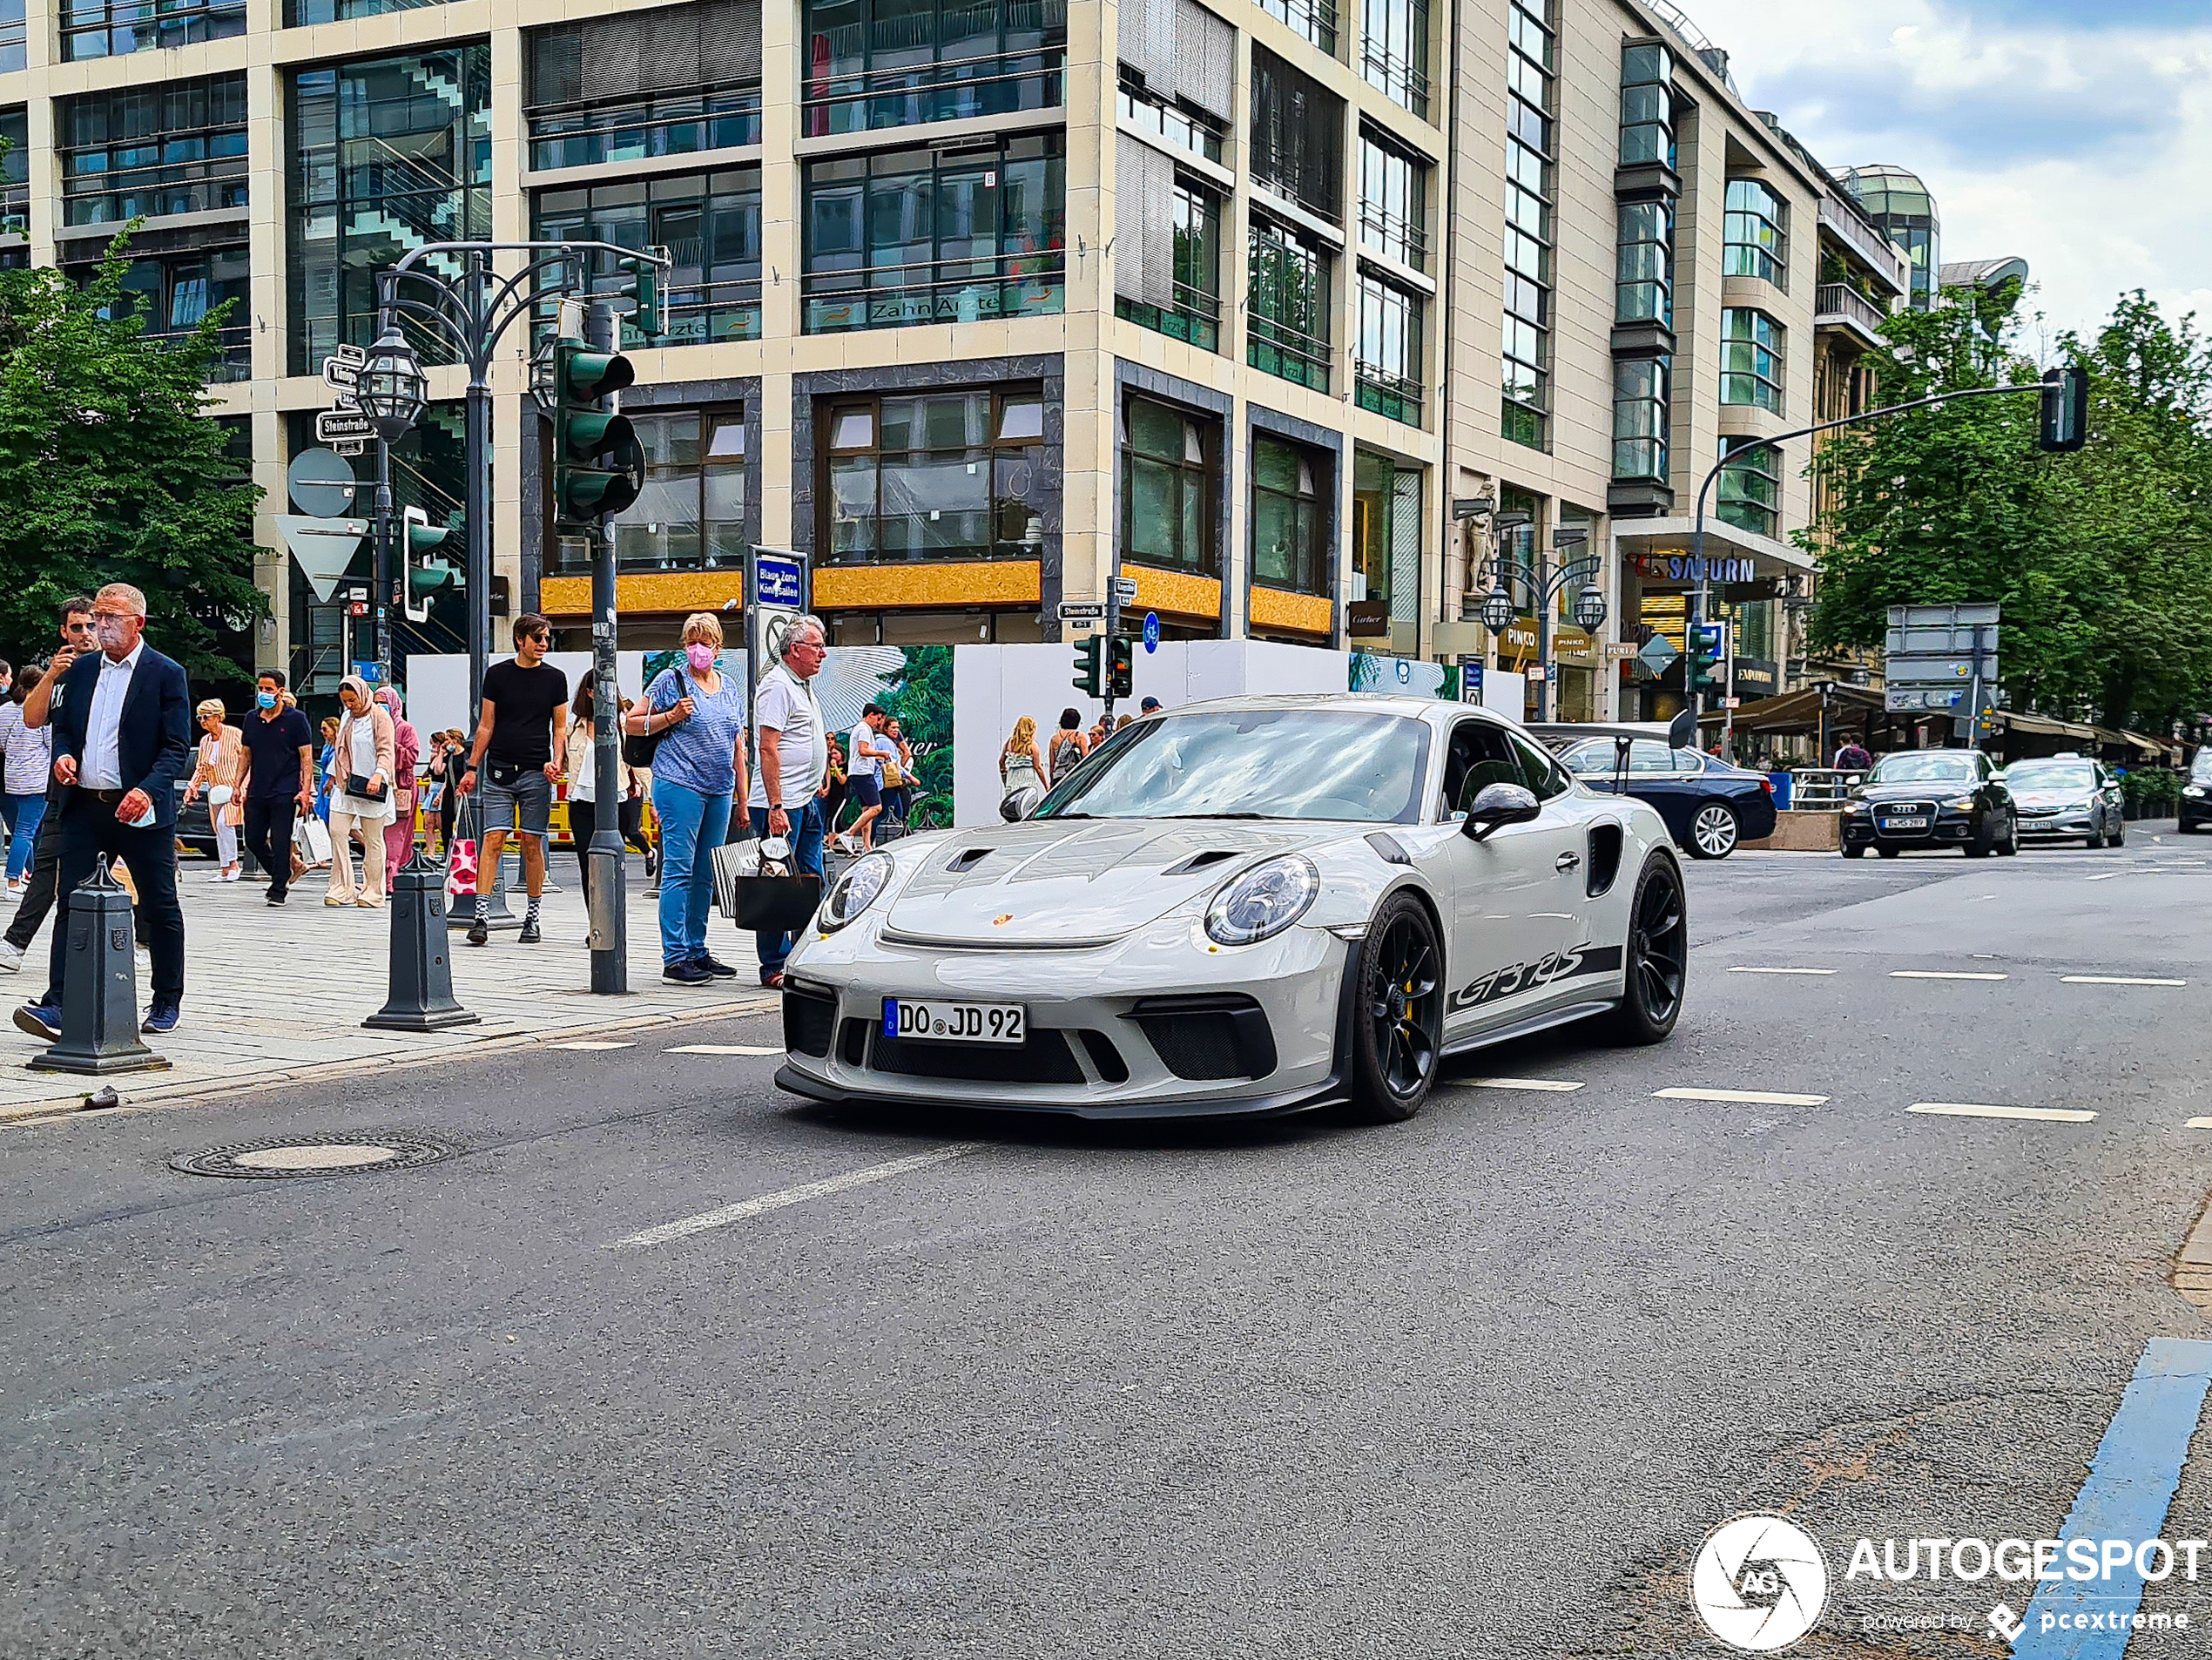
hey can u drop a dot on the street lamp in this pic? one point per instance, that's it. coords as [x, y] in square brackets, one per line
[1497, 610]
[1590, 609]
[393, 390]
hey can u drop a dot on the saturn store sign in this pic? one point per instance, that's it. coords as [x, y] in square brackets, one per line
[1680, 567]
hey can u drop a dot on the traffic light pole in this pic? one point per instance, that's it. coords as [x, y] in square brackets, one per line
[380, 597]
[608, 899]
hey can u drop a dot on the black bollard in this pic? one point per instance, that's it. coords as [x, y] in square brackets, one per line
[99, 989]
[421, 985]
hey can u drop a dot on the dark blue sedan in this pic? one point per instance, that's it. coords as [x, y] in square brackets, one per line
[1708, 804]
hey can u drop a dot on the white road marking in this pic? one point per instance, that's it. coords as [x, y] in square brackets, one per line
[2107, 875]
[746, 1209]
[2113, 979]
[585, 1044]
[727, 1049]
[1940, 973]
[1782, 971]
[1969, 1109]
[1558, 1085]
[2198, 1123]
[1752, 1097]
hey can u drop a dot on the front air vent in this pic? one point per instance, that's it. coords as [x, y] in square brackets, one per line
[967, 860]
[1198, 862]
[1605, 857]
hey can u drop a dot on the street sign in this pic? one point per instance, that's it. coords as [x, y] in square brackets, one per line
[372, 673]
[1620, 650]
[1921, 699]
[1125, 590]
[1538, 672]
[1152, 631]
[1471, 679]
[323, 547]
[342, 425]
[320, 483]
[350, 446]
[1732, 702]
[1657, 654]
[339, 374]
[779, 580]
[1072, 609]
[346, 352]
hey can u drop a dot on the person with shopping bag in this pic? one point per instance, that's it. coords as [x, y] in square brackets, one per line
[792, 775]
[361, 776]
[219, 766]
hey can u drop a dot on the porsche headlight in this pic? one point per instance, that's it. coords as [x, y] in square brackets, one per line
[1262, 902]
[854, 891]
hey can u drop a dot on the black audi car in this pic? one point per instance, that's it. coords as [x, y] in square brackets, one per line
[1708, 806]
[2196, 793]
[1931, 798]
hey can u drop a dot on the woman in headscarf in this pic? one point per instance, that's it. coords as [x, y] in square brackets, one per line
[219, 764]
[407, 756]
[362, 767]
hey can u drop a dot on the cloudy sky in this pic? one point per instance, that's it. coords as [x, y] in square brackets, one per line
[2075, 133]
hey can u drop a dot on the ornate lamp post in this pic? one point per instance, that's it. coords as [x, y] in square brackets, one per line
[1515, 588]
[392, 392]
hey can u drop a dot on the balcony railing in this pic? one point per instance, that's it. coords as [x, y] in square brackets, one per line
[1833, 300]
[997, 85]
[585, 135]
[125, 26]
[1196, 316]
[233, 360]
[1280, 349]
[1394, 236]
[1015, 285]
[1395, 395]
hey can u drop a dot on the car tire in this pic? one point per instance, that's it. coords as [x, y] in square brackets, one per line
[1398, 1013]
[1655, 958]
[2011, 845]
[2118, 835]
[1714, 830]
[2094, 841]
[1854, 852]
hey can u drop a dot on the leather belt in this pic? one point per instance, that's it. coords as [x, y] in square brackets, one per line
[111, 797]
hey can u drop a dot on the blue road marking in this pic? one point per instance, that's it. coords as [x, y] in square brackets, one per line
[2130, 1483]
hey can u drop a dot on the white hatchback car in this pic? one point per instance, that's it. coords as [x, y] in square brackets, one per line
[1257, 905]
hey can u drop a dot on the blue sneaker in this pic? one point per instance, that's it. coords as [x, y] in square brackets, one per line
[162, 1017]
[41, 1020]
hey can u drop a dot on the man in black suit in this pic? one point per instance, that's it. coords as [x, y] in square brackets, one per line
[121, 738]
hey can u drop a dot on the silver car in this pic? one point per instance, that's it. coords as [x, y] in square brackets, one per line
[2067, 796]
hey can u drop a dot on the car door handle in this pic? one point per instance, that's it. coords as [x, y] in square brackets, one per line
[1567, 862]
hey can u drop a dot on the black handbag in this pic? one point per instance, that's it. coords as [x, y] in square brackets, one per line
[778, 904]
[357, 787]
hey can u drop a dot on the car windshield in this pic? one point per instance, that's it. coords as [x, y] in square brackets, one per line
[1253, 764]
[2200, 768]
[2051, 775]
[1922, 766]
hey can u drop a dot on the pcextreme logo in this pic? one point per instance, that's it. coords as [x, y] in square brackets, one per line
[1759, 1583]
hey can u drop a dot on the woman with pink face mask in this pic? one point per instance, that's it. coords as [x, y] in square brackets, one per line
[698, 715]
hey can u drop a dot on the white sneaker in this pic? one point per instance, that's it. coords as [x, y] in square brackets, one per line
[11, 958]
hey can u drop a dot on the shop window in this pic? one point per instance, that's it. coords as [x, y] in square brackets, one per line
[956, 474]
[1170, 469]
[1290, 512]
[1384, 582]
[691, 514]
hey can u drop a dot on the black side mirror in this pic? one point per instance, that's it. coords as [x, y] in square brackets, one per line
[1682, 731]
[1499, 804]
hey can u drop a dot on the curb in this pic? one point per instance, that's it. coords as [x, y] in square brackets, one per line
[186, 1092]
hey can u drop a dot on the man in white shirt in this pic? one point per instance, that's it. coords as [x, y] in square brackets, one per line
[869, 750]
[792, 773]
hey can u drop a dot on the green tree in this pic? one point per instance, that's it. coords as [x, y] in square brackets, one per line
[112, 471]
[2101, 560]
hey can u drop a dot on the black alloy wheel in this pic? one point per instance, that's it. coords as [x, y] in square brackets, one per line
[1656, 961]
[1397, 1025]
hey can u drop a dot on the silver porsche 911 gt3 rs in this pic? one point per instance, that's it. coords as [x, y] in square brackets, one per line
[1256, 905]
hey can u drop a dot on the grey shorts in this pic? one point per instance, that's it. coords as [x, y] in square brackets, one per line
[525, 805]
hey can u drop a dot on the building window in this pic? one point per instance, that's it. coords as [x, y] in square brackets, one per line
[1286, 322]
[115, 28]
[1383, 586]
[1290, 512]
[875, 64]
[1195, 218]
[1386, 350]
[179, 148]
[1751, 489]
[1393, 203]
[1169, 467]
[1182, 128]
[690, 514]
[354, 209]
[1525, 376]
[1297, 137]
[1752, 350]
[1314, 19]
[297, 12]
[1639, 417]
[1643, 289]
[1393, 50]
[936, 475]
[14, 36]
[1756, 229]
[670, 81]
[177, 291]
[930, 236]
[710, 223]
[1647, 106]
[15, 181]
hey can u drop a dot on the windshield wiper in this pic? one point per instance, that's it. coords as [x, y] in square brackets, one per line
[1212, 815]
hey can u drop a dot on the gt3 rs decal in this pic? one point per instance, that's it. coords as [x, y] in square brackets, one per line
[1517, 977]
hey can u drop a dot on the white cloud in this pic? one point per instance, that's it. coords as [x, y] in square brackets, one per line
[2084, 149]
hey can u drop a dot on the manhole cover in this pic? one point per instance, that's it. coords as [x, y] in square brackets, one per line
[340, 1154]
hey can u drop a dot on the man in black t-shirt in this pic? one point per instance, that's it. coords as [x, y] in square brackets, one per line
[280, 780]
[521, 734]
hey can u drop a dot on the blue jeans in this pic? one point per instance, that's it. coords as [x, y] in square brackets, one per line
[692, 825]
[23, 813]
[806, 853]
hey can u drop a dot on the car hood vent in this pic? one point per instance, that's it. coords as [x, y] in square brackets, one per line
[1198, 862]
[966, 859]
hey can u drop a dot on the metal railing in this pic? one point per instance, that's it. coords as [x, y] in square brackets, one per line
[1397, 396]
[1822, 789]
[1014, 284]
[1396, 237]
[586, 134]
[1279, 349]
[125, 26]
[1841, 300]
[951, 91]
[1314, 19]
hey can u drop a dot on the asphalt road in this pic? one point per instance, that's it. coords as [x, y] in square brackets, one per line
[1478, 1384]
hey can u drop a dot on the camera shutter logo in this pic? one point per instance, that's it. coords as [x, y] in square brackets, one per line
[1759, 1583]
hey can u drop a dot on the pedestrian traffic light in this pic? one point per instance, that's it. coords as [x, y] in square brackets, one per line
[1121, 667]
[2065, 424]
[1089, 678]
[428, 574]
[1707, 643]
[598, 464]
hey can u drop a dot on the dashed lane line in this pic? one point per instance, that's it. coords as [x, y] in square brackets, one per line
[727, 1049]
[1971, 1109]
[746, 1209]
[1746, 1097]
[1560, 1086]
[1782, 970]
[1941, 974]
[2107, 876]
[2113, 979]
[586, 1043]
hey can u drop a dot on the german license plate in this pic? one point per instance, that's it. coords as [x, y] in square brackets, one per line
[1904, 824]
[954, 1023]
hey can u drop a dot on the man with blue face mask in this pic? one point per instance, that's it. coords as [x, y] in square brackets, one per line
[280, 779]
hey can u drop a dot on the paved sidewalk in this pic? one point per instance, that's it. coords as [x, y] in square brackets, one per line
[279, 995]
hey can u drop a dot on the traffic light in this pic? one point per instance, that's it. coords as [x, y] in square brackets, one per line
[1089, 680]
[1121, 667]
[1707, 643]
[427, 574]
[598, 464]
[651, 319]
[2065, 424]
